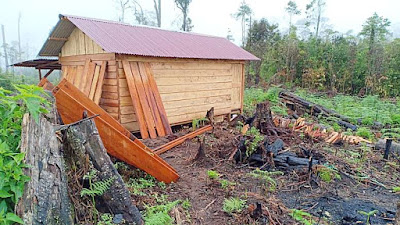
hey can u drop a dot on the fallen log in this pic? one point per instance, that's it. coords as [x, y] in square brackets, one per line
[83, 138]
[45, 199]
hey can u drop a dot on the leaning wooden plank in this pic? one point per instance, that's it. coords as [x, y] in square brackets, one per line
[86, 104]
[80, 80]
[135, 99]
[116, 142]
[143, 100]
[180, 140]
[152, 102]
[160, 105]
[93, 86]
[99, 87]
[88, 78]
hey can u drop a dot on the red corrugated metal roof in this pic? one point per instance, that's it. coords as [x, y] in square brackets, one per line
[148, 41]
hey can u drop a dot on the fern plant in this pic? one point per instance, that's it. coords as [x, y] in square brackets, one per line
[95, 188]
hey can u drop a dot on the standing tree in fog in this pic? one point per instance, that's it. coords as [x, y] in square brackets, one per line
[183, 5]
[157, 8]
[314, 14]
[243, 14]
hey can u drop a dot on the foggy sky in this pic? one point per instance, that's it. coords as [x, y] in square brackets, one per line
[212, 17]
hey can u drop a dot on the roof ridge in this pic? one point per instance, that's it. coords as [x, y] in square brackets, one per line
[138, 25]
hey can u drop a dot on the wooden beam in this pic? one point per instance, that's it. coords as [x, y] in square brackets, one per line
[48, 73]
[40, 74]
[46, 64]
[57, 39]
[180, 140]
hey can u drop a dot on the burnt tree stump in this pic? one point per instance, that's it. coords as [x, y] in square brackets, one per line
[45, 199]
[83, 138]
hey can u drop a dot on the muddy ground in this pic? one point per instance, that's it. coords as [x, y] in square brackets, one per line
[363, 183]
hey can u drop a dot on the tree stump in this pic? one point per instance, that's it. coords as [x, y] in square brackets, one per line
[83, 138]
[45, 199]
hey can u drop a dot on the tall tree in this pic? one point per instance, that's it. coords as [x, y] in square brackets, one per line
[4, 47]
[244, 15]
[19, 37]
[292, 10]
[122, 7]
[157, 8]
[375, 30]
[183, 5]
[314, 13]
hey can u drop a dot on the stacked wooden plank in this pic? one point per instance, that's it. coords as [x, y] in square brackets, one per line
[119, 142]
[147, 104]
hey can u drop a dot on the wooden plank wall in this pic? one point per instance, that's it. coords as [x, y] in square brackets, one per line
[189, 88]
[79, 43]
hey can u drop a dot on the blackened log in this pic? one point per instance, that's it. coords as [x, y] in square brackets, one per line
[347, 125]
[45, 199]
[84, 137]
[311, 108]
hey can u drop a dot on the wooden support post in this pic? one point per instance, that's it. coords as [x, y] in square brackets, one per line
[40, 74]
[387, 148]
[48, 73]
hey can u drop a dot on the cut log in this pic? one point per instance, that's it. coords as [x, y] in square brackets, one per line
[84, 137]
[45, 200]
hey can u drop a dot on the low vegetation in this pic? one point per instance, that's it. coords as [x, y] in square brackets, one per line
[13, 105]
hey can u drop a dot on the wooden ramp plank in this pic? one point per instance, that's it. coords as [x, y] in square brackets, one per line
[152, 102]
[160, 105]
[99, 87]
[90, 106]
[135, 99]
[71, 103]
[142, 97]
[46, 84]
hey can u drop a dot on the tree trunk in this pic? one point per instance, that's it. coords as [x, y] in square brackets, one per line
[4, 46]
[84, 138]
[45, 200]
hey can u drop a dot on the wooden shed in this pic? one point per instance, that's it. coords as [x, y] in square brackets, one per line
[191, 72]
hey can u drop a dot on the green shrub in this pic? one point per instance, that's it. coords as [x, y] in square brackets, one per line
[364, 132]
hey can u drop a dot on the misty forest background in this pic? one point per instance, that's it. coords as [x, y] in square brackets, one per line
[310, 54]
